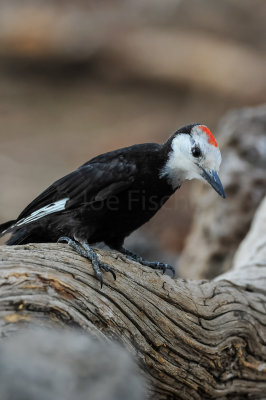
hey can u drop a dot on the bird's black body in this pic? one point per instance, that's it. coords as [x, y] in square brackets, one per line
[115, 193]
[108, 198]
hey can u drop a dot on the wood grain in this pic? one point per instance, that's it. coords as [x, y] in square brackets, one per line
[195, 339]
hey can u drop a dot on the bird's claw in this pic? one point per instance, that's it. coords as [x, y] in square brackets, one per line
[108, 269]
[172, 269]
[86, 251]
[63, 239]
[161, 266]
[152, 264]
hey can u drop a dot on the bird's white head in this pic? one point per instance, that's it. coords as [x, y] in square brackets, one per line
[194, 154]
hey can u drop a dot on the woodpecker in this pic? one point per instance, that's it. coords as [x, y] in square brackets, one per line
[115, 193]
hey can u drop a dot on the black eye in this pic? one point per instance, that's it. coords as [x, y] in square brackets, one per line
[196, 152]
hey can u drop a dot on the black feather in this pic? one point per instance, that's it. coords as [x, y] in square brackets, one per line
[5, 226]
[108, 197]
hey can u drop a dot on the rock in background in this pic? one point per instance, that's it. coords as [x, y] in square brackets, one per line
[66, 365]
[220, 225]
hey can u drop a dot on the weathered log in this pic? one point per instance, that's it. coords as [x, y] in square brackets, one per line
[194, 339]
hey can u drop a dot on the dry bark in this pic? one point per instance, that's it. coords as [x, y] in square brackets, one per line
[194, 339]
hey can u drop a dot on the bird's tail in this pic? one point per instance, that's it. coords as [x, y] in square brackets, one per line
[19, 236]
[6, 227]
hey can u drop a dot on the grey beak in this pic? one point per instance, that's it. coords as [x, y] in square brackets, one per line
[213, 179]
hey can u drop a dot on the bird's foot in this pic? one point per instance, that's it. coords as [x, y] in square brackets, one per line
[151, 264]
[86, 251]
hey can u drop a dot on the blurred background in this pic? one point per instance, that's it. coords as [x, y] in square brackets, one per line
[85, 77]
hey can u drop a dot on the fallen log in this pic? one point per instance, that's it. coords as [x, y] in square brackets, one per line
[194, 339]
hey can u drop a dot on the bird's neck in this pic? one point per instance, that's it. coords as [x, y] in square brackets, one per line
[169, 171]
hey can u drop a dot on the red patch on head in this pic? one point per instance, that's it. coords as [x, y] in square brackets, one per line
[211, 138]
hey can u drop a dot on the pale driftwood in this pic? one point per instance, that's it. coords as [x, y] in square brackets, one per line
[195, 339]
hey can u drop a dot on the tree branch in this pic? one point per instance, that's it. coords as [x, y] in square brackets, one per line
[195, 339]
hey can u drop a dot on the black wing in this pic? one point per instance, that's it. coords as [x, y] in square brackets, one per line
[94, 181]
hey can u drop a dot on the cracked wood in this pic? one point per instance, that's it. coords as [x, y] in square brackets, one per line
[194, 339]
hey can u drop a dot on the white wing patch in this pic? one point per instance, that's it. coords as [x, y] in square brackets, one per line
[42, 212]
